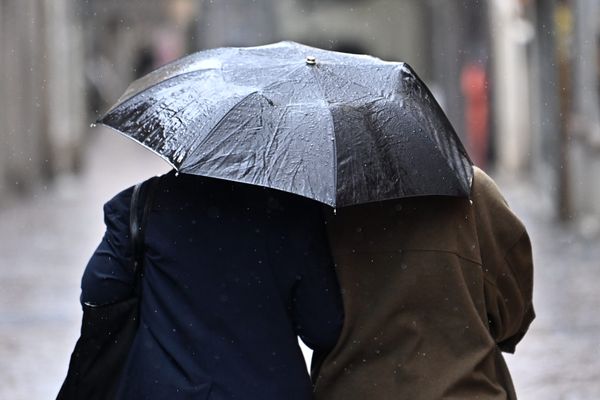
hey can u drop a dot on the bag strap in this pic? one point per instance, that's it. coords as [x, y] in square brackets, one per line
[143, 193]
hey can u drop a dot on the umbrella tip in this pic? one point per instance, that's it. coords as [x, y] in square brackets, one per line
[311, 60]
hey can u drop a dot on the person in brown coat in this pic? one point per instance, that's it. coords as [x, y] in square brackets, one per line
[434, 289]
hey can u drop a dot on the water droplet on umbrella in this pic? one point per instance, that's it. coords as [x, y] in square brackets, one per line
[180, 157]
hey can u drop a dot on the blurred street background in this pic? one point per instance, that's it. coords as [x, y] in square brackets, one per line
[519, 79]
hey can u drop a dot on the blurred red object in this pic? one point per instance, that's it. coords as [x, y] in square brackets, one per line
[474, 88]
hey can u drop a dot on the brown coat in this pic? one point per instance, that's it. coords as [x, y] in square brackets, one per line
[434, 289]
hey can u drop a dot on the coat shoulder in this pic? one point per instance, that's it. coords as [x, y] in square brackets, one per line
[496, 221]
[119, 202]
[485, 188]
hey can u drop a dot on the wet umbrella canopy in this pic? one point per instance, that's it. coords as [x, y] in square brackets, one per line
[339, 128]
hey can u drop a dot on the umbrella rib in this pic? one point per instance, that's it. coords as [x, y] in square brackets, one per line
[334, 141]
[334, 164]
[272, 139]
[201, 141]
[216, 125]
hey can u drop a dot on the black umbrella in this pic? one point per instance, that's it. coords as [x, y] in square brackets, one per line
[339, 128]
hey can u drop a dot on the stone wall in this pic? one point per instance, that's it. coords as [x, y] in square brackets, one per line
[41, 92]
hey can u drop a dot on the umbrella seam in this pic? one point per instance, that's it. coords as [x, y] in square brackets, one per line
[218, 123]
[334, 161]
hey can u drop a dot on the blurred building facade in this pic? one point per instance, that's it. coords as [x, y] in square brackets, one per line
[584, 121]
[519, 79]
[550, 53]
[127, 39]
[541, 63]
[41, 92]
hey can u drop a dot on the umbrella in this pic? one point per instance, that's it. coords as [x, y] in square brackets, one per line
[342, 129]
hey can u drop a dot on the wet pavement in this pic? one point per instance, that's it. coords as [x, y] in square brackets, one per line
[45, 242]
[560, 356]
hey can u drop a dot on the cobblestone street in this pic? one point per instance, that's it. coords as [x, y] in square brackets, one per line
[47, 238]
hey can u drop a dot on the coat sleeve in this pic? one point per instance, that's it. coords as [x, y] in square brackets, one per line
[507, 264]
[108, 276]
[316, 301]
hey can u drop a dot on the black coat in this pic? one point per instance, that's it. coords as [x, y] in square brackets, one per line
[232, 275]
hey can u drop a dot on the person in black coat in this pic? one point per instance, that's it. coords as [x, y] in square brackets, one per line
[233, 274]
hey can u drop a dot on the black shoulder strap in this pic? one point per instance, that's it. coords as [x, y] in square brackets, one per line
[143, 194]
